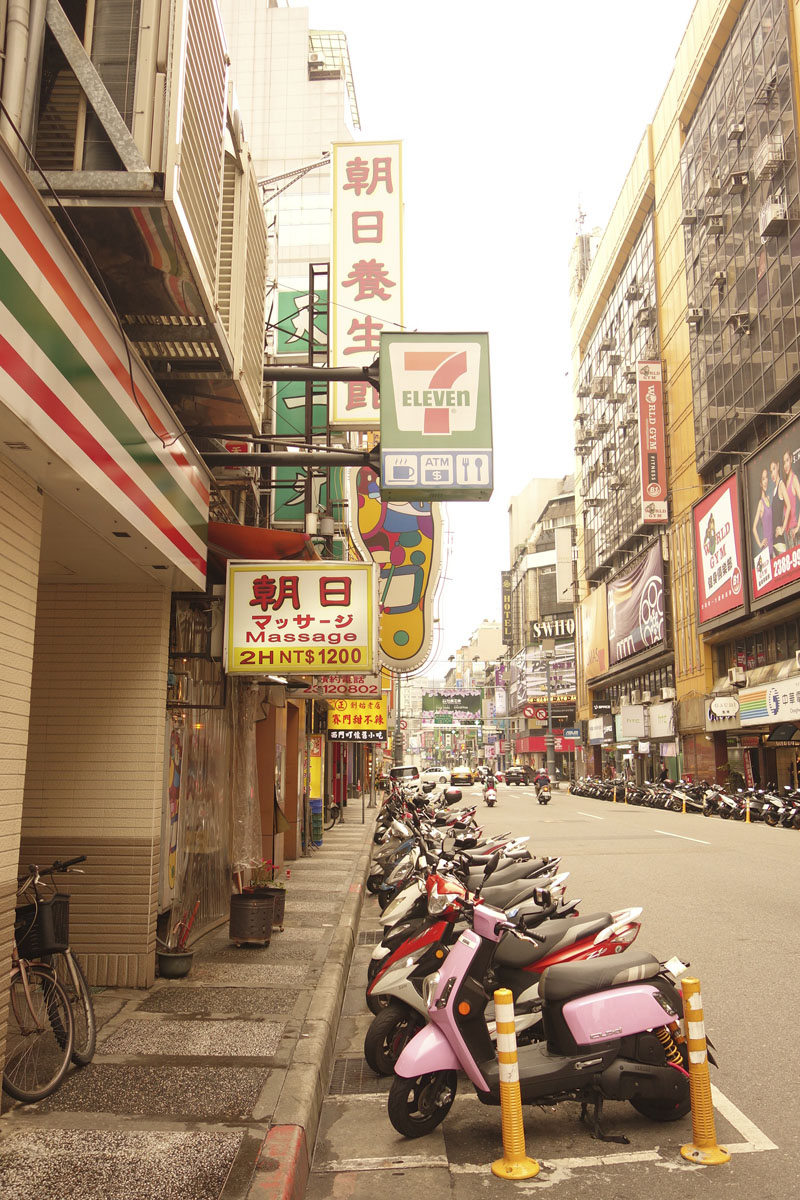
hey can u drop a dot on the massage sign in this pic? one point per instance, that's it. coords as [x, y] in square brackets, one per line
[299, 618]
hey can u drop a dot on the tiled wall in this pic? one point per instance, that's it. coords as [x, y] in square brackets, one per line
[95, 765]
[20, 536]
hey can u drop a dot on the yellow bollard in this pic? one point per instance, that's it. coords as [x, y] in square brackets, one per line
[514, 1164]
[704, 1148]
[747, 812]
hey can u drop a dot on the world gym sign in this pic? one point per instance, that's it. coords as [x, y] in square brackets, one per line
[436, 416]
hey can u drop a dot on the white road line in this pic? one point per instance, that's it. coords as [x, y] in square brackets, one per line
[592, 815]
[403, 1162]
[570, 1164]
[681, 836]
[742, 1124]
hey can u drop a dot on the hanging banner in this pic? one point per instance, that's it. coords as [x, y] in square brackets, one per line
[299, 618]
[652, 443]
[460, 705]
[718, 551]
[366, 282]
[507, 627]
[636, 607]
[594, 630]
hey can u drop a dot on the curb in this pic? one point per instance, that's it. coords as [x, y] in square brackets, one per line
[284, 1160]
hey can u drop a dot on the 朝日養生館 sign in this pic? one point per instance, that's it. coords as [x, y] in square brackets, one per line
[300, 618]
[436, 416]
[366, 269]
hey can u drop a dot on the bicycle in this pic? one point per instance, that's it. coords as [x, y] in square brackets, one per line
[48, 943]
[40, 1028]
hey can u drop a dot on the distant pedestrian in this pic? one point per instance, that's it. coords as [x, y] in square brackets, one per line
[664, 776]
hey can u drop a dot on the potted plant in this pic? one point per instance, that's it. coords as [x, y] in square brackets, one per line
[173, 956]
[253, 906]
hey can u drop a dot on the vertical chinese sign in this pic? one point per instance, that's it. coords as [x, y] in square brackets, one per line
[652, 443]
[366, 269]
[506, 612]
[300, 618]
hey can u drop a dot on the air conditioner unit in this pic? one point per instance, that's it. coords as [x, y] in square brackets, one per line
[646, 697]
[773, 216]
[668, 693]
[636, 696]
[614, 482]
[606, 344]
[630, 372]
[719, 279]
[737, 182]
[624, 700]
[713, 187]
[695, 316]
[769, 156]
[736, 131]
[315, 59]
[689, 217]
[714, 223]
[632, 293]
[737, 676]
[739, 322]
[584, 391]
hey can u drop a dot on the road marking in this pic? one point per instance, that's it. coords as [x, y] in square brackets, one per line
[592, 815]
[403, 1162]
[569, 1164]
[682, 838]
[756, 1139]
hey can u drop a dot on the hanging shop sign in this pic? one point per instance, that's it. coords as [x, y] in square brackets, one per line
[601, 729]
[506, 608]
[652, 444]
[404, 540]
[636, 606]
[461, 705]
[772, 523]
[771, 704]
[594, 630]
[631, 722]
[662, 721]
[357, 735]
[436, 416]
[366, 269]
[300, 618]
[352, 687]
[358, 716]
[718, 552]
[301, 313]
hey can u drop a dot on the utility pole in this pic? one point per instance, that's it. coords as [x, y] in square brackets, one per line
[548, 647]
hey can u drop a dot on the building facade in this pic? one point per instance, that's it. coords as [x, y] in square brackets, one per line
[687, 378]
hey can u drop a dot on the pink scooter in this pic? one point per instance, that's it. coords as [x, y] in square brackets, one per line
[612, 1030]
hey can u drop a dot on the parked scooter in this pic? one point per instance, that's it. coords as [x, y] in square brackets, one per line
[612, 1030]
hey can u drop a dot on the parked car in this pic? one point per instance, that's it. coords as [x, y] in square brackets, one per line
[515, 775]
[461, 777]
[406, 774]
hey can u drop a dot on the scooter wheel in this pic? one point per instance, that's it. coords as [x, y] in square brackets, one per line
[417, 1106]
[725, 813]
[377, 1004]
[679, 1102]
[708, 810]
[388, 1035]
[373, 883]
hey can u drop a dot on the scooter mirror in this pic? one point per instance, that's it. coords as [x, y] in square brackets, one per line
[490, 869]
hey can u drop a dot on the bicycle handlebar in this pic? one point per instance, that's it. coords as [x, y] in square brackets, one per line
[58, 868]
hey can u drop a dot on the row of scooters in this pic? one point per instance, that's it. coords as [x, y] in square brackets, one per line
[777, 807]
[464, 914]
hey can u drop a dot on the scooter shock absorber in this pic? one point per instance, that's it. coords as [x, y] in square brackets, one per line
[670, 1049]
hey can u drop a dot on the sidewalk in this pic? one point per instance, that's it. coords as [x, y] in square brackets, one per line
[208, 1088]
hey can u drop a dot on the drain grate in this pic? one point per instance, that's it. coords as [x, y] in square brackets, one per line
[352, 1077]
[370, 938]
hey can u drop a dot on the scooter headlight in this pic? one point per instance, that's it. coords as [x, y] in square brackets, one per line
[429, 987]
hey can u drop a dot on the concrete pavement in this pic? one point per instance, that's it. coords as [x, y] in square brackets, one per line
[208, 1088]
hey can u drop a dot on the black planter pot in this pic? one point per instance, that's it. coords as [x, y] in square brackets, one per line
[251, 917]
[174, 964]
[279, 897]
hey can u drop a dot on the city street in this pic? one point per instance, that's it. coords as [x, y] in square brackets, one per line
[721, 896]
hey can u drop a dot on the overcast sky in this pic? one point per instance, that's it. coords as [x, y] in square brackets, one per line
[513, 114]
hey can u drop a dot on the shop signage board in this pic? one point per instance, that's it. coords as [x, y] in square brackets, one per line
[771, 704]
[718, 552]
[772, 521]
[594, 629]
[353, 687]
[294, 321]
[300, 618]
[652, 444]
[436, 416]
[357, 735]
[461, 705]
[722, 712]
[357, 715]
[632, 721]
[636, 606]
[662, 721]
[366, 269]
[573, 734]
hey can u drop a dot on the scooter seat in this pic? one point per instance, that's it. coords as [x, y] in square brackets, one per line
[559, 932]
[567, 980]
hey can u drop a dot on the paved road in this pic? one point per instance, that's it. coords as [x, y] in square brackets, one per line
[720, 895]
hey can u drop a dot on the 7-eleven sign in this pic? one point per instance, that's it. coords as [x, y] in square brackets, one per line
[436, 422]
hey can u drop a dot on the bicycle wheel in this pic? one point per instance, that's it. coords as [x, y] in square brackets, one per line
[71, 977]
[38, 1036]
[334, 814]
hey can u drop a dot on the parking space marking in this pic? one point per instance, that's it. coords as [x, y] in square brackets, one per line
[570, 1164]
[756, 1140]
[404, 1162]
[682, 837]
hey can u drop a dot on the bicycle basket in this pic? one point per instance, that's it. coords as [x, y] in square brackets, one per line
[42, 929]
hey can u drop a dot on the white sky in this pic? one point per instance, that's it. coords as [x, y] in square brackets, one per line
[512, 114]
